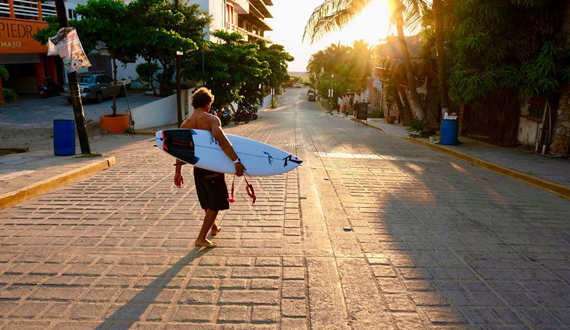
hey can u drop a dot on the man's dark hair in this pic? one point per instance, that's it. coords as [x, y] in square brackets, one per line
[202, 97]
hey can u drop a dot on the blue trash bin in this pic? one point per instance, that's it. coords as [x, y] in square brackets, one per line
[64, 137]
[449, 131]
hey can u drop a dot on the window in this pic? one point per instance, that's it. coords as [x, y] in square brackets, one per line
[85, 79]
[536, 107]
[71, 14]
[108, 79]
[100, 80]
[229, 16]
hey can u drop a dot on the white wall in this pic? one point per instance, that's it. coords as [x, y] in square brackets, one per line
[129, 71]
[528, 128]
[217, 11]
[160, 113]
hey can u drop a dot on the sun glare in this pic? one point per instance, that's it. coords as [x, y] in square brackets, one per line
[371, 25]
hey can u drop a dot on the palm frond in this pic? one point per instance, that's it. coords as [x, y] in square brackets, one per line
[415, 10]
[330, 15]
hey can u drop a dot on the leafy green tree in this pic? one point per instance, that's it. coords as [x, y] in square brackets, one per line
[152, 35]
[275, 58]
[107, 21]
[147, 73]
[229, 65]
[6, 92]
[504, 44]
[160, 31]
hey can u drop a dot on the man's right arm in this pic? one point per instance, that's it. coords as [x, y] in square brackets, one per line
[226, 145]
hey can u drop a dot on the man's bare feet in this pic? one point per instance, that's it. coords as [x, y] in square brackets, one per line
[215, 230]
[205, 243]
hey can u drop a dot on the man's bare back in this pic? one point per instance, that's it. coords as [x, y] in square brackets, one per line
[201, 120]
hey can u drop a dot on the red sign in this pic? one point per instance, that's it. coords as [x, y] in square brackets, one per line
[16, 36]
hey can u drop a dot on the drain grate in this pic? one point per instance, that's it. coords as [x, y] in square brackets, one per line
[294, 145]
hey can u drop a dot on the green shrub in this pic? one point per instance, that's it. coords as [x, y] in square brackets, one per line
[418, 128]
[376, 114]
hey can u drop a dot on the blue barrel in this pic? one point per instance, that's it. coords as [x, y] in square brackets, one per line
[449, 131]
[64, 137]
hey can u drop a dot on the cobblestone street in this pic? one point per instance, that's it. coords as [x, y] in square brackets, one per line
[434, 242]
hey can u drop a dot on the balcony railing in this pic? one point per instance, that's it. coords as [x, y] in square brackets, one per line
[24, 9]
[245, 33]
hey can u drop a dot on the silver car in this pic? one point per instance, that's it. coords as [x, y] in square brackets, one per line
[94, 87]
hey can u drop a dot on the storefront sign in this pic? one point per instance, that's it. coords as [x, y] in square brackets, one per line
[16, 36]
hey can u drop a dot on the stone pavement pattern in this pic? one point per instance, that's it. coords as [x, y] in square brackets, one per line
[435, 243]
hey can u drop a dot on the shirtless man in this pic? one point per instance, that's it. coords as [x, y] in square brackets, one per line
[210, 186]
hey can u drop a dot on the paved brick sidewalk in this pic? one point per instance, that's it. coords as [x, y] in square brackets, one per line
[434, 243]
[547, 167]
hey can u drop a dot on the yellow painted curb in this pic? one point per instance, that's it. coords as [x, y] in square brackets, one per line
[543, 184]
[20, 195]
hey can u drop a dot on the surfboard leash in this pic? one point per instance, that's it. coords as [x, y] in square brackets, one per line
[248, 189]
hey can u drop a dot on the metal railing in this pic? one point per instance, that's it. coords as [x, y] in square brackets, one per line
[25, 9]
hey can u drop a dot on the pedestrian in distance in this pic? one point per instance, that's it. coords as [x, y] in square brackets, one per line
[210, 186]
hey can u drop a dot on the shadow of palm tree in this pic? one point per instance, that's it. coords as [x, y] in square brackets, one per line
[132, 311]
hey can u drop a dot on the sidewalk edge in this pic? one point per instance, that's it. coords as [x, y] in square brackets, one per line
[144, 133]
[42, 187]
[537, 182]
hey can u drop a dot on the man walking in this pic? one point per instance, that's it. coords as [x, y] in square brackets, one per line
[210, 186]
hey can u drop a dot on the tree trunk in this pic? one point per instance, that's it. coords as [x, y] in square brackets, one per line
[151, 80]
[417, 109]
[114, 105]
[441, 58]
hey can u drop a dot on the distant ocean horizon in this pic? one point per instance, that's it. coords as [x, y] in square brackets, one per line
[301, 74]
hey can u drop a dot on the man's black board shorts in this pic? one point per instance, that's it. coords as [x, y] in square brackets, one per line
[212, 190]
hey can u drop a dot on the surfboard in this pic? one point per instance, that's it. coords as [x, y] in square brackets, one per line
[201, 149]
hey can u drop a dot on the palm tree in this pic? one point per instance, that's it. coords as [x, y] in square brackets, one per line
[437, 7]
[333, 14]
[361, 59]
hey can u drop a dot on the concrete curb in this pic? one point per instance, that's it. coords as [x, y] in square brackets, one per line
[42, 187]
[144, 133]
[540, 183]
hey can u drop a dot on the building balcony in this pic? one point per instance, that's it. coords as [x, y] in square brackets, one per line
[261, 7]
[27, 10]
[247, 35]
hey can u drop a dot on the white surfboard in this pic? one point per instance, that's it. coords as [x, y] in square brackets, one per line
[201, 149]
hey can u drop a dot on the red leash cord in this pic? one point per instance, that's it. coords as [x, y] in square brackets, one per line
[248, 188]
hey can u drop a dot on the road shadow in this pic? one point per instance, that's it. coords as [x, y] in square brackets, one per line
[465, 245]
[132, 311]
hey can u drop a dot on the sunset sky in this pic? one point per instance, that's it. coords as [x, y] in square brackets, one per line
[290, 17]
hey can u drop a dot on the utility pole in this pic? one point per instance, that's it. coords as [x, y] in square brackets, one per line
[74, 88]
[331, 92]
[178, 83]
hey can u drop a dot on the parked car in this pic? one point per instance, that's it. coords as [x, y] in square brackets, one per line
[311, 97]
[96, 87]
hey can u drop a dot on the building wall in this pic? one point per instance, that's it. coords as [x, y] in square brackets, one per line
[561, 133]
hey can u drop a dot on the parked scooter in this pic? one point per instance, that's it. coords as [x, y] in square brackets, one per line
[243, 115]
[49, 88]
[225, 117]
